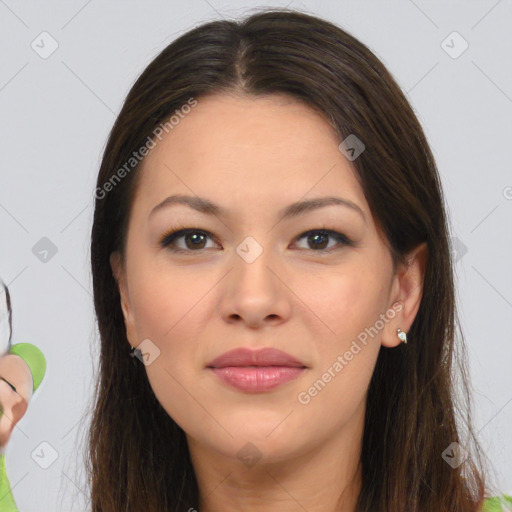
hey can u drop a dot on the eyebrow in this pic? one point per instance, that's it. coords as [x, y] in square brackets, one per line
[207, 207]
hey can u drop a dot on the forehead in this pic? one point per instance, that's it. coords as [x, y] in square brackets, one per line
[273, 147]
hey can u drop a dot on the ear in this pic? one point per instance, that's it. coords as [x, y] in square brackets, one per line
[406, 294]
[118, 271]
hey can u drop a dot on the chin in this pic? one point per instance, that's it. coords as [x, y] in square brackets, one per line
[256, 444]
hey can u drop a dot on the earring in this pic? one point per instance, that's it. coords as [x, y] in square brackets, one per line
[401, 335]
[134, 352]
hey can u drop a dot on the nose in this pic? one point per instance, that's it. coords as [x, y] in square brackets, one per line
[12, 406]
[255, 293]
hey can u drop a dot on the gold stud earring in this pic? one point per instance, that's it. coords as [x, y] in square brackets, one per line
[401, 335]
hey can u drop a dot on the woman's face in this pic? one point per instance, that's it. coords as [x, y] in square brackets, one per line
[15, 393]
[254, 279]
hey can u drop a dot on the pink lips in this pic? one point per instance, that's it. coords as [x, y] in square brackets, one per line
[256, 371]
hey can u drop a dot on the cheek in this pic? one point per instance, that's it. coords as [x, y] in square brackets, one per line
[336, 389]
[349, 306]
[171, 374]
[161, 297]
[342, 303]
[165, 311]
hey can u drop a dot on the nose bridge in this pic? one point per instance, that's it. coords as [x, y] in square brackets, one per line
[252, 261]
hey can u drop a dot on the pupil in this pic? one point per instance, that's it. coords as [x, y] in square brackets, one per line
[316, 236]
[194, 237]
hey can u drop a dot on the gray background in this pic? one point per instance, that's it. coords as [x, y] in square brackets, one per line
[56, 113]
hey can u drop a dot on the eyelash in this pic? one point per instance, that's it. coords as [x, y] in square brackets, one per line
[171, 236]
[10, 385]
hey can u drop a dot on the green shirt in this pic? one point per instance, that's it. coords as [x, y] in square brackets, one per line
[503, 504]
[7, 503]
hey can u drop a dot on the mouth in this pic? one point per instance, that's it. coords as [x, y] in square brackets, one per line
[256, 371]
[248, 357]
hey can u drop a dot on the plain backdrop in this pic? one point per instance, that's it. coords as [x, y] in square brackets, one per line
[58, 108]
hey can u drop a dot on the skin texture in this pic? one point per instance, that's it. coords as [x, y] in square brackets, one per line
[14, 403]
[255, 157]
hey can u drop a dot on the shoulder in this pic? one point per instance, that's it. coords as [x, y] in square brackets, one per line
[498, 504]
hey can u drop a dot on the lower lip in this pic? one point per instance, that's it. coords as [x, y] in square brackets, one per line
[256, 379]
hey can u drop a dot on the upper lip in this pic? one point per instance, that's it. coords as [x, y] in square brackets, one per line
[250, 357]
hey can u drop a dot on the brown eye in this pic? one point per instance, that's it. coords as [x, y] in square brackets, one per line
[193, 239]
[318, 239]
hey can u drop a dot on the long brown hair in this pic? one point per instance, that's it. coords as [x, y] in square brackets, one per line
[139, 457]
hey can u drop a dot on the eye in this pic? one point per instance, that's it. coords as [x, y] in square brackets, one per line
[10, 385]
[319, 238]
[195, 240]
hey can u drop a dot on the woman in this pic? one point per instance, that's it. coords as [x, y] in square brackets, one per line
[22, 368]
[270, 246]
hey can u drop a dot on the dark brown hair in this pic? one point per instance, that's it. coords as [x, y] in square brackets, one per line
[139, 457]
[5, 289]
[7, 299]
